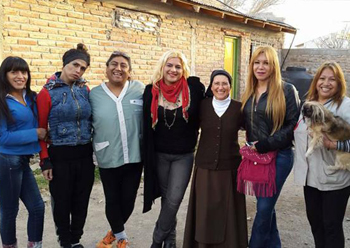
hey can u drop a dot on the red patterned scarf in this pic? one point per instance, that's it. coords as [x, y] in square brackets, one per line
[171, 94]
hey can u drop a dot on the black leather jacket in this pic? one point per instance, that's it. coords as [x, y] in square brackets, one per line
[259, 129]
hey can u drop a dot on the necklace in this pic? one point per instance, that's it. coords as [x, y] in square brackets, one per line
[165, 120]
[166, 105]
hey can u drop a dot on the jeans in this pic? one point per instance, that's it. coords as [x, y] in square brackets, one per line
[325, 211]
[174, 173]
[264, 231]
[120, 186]
[17, 182]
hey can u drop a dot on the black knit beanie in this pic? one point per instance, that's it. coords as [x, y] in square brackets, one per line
[79, 53]
[209, 93]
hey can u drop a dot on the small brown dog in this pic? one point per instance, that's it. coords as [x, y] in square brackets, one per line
[322, 121]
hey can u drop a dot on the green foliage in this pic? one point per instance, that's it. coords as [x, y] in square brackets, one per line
[43, 184]
[97, 175]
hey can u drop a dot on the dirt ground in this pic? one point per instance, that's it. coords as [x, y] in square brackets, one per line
[292, 222]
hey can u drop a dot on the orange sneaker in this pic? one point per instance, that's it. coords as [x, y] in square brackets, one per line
[122, 243]
[107, 241]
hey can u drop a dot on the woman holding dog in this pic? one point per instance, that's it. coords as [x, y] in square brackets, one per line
[19, 139]
[270, 109]
[326, 191]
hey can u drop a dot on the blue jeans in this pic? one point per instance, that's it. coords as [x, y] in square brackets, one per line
[17, 182]
[174, 173]
[264, 232]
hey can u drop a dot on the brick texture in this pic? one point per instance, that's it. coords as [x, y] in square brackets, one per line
[311, 59]
[41, 31]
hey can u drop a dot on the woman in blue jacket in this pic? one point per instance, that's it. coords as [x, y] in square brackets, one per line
[19, 140]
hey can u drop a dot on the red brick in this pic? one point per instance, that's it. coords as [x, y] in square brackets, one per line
[46, 43]
[27, 27]
[41, 9]
[19, 5]
[60, 12]
[38, 35]
[27, 42]
[17, 33]
[10, 11]
[57, 25]
[48, 17]
[18, 48]
[38, 22]
[10, 40]
[18, 19]
[75, 15]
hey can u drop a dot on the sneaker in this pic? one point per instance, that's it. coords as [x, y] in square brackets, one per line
[107, 241]
[32, 244]
[78, 246]
[10, 246]
[122, 243]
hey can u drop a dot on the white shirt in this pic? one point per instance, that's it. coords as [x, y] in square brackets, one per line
[220, 106]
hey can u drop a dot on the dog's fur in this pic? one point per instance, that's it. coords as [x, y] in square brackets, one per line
[322, 121]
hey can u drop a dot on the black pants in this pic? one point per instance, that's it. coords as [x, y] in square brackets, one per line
[325, 211]
[120, 187]
[70, 188]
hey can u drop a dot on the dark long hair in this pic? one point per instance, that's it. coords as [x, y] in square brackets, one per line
[12, 63]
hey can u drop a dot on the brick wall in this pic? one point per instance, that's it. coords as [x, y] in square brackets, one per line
[40, 31]
[311, 59]
[1, 30]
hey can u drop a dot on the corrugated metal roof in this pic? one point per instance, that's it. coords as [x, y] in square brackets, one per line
[218, 9]
[216, 4]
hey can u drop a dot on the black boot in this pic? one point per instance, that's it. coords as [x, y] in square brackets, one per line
[170, 245]
[156, 245]
[170, 240]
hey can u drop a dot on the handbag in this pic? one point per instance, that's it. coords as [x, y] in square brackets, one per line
[256, 173]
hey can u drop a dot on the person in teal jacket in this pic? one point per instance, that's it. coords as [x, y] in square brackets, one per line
[117, 137]
[19, 140]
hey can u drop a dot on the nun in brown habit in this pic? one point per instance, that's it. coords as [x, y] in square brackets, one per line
[216, 216]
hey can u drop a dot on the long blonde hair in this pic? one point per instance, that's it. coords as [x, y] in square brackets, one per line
[312, 94]
[276, 103]
[158, 72]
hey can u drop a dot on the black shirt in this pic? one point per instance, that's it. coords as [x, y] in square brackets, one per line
[182, 136]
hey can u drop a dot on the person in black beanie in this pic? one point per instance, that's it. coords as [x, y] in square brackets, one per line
[209, 92]
[216, 215]
[66, 155]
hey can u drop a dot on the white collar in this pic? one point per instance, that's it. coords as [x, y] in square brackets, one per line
[220, 106]
[114, 97]
[24, 93]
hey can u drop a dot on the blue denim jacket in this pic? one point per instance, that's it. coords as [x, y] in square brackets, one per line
[70, 115]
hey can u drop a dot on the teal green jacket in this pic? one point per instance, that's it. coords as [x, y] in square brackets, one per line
[117, 124]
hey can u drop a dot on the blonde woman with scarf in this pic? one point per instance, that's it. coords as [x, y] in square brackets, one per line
[171, 124]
